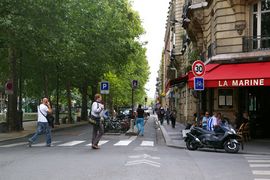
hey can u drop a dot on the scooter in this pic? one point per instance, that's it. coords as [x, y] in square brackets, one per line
[225, 138]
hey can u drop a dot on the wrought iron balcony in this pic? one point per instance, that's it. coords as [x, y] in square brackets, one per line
[256, 43]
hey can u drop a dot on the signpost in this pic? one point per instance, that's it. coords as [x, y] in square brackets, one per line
[134, 85]
[198, 83]
[104, 87]
[9, 87]
[198, 69]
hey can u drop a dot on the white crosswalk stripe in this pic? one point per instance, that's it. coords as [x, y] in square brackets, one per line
[72, 143]
[147, 143]
[44, 144]
[99, 143]
[125, 142]
[260, 166]
[14, 144]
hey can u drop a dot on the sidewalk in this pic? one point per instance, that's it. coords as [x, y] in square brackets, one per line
[174, 138]
[30, 128]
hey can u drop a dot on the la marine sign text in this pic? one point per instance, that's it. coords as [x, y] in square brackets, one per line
[241, 82]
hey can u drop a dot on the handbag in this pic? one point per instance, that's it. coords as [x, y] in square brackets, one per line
[49, 118]
[94, 120]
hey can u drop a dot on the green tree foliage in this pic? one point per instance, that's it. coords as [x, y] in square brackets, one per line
[82, 41]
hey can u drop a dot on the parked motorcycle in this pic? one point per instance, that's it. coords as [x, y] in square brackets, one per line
[226, 139]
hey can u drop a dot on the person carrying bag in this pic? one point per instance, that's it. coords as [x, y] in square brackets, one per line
[42, 124]
[95, 120]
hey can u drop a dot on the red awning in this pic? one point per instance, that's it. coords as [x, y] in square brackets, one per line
[175, 82]
[235, 75]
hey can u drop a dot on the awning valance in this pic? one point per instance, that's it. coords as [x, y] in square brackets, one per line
[175, 82]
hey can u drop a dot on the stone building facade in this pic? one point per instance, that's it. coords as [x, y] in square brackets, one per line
[232, 37]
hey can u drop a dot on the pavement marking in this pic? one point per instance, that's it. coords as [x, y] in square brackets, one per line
[14, 144]
[99, 143]
[72, 143]
[125, 142]
[147, 143]
[259, 161]
[143, 161]
[258, 172]
[143, 156]
[259, 165]
[44, 144]
[145, 148]
[256, 157]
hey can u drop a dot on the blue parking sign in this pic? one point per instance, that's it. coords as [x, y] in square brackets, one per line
[198, 83]
[104, 87]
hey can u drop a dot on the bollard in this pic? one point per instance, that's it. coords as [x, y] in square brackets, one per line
[132, 130]
[132, 125]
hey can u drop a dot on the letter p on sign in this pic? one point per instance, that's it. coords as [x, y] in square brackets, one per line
[104, 87]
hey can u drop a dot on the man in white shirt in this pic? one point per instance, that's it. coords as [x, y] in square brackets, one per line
[42, 124]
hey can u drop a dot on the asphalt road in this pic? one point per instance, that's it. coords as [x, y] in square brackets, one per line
[122, 157]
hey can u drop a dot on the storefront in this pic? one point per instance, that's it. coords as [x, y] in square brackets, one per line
[236, 88]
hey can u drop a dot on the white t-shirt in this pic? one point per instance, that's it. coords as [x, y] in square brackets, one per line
[96, 109]
[44, 109]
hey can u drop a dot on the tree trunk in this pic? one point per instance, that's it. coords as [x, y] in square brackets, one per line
[94, 91]
[57, 121]
[12, 115]
[70, 120]
[46, 94]
[84, 113]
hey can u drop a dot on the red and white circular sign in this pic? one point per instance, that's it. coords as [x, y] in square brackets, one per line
[198, 68]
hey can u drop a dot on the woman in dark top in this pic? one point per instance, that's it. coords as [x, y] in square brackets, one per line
[140, 120]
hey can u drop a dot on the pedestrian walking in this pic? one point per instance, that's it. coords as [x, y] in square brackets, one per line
[96, 113]
[173, 117]
[42, 123]
[168, 112]
[140, 120]
[161, 115]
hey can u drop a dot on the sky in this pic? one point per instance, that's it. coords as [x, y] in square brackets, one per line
[153, 14]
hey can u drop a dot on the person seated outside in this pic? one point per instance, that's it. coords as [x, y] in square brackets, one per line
[217, 127]
[214, 122]
[205, 120]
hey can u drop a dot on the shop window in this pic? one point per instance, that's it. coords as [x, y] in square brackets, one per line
[225, 98]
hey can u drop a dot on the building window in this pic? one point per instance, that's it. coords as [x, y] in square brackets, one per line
[225, 98]
[261, 21]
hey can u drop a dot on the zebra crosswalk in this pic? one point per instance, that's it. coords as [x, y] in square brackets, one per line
[260, 166]
[73, 143]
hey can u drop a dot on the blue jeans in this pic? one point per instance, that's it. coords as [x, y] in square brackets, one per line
[140, 125]
[42, 127]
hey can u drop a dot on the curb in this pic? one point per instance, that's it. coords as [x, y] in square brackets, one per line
[167, 138]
